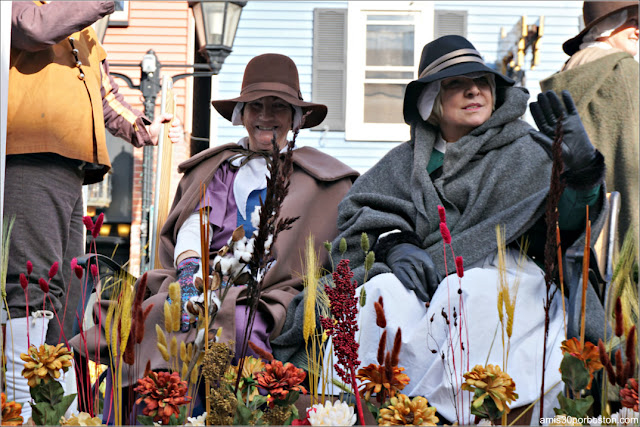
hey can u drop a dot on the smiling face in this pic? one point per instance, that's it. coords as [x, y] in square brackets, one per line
[466, 104]
[264, 115]
[625, 37]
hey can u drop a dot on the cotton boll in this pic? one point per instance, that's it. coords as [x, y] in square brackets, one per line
[255, 217]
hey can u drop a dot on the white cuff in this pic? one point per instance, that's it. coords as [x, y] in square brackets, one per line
[189, 237]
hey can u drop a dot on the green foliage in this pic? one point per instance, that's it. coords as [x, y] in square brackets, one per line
[364, 242]
[574, 374]
[369, 260]
[363, 297]
[484, 407]
[343, 246]
[145, 420]
[573, 407]
[328, 246]
[50, 402]
[249, 413]
[174, 420]
[375, 411]
[7, 226]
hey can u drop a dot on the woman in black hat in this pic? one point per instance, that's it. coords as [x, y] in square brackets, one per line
[471, 154]
[602, 77]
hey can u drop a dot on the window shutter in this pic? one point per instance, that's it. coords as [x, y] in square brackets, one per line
[450, 22]
[329, 65]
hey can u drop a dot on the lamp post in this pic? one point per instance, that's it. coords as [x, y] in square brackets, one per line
[216, 23]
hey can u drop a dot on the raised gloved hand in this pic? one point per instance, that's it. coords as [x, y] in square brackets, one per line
[577, 150]
[187, 268]
[414, 268]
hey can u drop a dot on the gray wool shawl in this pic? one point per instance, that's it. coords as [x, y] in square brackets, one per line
[497, 174]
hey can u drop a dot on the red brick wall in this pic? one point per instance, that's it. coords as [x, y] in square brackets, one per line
[167, 28]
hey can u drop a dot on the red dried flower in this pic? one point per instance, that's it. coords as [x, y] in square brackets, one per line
[29, 267]
[619, 318]
[442, 213]
[94, 270]
[74, 263]
[23, 281]
[79, 271]
[381, 320]
[88, 223]
[343, 328]
[162, 394]
[278, 380]
[44, 285]
[629, 394]
[460, 266]
[98, 225]
[53, 270]
[446, 235]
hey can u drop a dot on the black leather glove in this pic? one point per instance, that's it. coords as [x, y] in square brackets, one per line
[577, 150]
[414, 268]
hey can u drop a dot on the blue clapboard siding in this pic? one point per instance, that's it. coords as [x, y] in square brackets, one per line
[286, 27]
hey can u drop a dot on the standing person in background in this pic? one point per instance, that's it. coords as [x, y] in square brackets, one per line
[602, 77]
[61, 100]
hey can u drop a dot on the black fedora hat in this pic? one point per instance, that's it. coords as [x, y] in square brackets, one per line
[592, 13]
[444, 57]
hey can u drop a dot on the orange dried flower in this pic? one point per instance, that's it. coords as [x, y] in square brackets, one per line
[162, 393]
[496, 384]
[375, 379]
[278, 380]
[589, 354]
[11, 412]
[45, 363]
[629, 394]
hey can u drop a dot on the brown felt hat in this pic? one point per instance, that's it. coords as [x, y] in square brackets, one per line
[272, 74]
[592, 13]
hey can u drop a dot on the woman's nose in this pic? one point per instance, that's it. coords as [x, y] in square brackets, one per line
[472, 88]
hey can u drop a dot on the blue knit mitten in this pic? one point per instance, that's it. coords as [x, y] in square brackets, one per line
[187, 268]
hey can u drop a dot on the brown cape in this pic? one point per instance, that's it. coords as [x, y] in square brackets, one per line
[318, 184]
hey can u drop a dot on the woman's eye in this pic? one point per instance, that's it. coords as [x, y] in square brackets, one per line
[482, 81]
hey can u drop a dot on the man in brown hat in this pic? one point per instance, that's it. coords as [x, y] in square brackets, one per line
[602, 77]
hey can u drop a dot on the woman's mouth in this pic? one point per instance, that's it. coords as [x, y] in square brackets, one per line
[272, 128]
[472, 107]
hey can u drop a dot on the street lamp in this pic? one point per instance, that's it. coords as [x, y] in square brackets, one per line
[216, 23]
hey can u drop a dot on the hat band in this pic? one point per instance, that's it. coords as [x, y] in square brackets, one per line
[270, 86]
[452, 58]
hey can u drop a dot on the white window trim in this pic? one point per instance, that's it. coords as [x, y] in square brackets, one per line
[355, 127]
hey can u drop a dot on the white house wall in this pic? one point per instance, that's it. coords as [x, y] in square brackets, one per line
[286, 27]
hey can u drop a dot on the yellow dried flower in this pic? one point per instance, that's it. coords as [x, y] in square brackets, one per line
[44, 363]
[162, 338]
[183, 352]
[11, 412]
[163, 351]
[492, 382]
[173, 347]
[403, 411]
[176, 301]
[168, 326]
[82, 419]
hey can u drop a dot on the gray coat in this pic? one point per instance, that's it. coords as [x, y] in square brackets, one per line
[497, 174]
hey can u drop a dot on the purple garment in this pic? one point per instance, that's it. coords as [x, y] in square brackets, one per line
[224, 218]
[219, 197]
[259, 334]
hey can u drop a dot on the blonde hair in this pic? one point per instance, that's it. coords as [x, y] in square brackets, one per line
[436, 112]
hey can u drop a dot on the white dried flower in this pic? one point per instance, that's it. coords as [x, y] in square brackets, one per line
[196, 421]
[625, 417]
[485, 422]
[268, 242]
[255, 217]
[332, 414]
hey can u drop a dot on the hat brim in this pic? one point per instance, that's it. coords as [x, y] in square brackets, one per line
[410, 107]
[571, 46]
[317, 112]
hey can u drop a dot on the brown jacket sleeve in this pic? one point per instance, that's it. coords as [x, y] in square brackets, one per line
[120, 118]
[35, 28]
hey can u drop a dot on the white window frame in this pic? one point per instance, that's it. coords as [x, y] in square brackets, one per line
[355, 127]
[120, 18]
